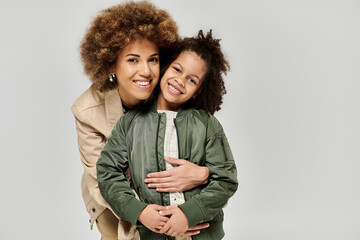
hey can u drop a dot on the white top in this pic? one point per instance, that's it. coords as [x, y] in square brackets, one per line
[171, 150]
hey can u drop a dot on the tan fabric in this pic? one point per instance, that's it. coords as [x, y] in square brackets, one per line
[183, 238]
[107, 224]
[95, 115]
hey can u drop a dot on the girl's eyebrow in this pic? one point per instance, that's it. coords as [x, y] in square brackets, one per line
[179, 64]
[194, 75]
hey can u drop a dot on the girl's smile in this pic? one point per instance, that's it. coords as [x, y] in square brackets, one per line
[181, 81]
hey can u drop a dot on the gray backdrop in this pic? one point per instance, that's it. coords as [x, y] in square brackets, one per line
[291, 115]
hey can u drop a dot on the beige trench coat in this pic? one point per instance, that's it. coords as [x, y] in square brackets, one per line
[95, 115]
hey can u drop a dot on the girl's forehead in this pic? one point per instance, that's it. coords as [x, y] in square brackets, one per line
[191, 63]
[190, 58]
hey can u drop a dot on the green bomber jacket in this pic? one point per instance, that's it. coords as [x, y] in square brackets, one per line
[137, 143]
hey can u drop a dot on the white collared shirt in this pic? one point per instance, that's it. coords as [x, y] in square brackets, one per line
[171, 150]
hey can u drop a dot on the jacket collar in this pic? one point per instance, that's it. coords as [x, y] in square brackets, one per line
[153, 108]
[113, 107]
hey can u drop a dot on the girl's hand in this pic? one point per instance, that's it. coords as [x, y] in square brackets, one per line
[184, 176]
[151, 218]
[177, 224]
[191, 231]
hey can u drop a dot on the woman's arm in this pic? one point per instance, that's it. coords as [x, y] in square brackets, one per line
[90, 143]
[185, 176]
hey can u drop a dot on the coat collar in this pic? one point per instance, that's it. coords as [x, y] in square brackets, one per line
[113, 107]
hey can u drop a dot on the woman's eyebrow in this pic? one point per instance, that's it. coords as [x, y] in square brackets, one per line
[133, 55]
[137, 55]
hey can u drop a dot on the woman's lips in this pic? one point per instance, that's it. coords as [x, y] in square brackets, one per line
[143, 84]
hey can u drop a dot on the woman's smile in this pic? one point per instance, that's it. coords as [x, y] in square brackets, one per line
[144, 84]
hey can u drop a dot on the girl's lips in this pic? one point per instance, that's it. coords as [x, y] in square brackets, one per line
[143, 84]
[173, 89]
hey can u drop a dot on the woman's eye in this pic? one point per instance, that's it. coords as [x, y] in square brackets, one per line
[154, 60]
[132, 60]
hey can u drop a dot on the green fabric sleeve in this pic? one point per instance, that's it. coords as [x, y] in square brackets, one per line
[222, 180]
[193, 211]
[111, 169]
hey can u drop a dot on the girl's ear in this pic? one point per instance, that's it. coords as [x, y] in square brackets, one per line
[197, 93]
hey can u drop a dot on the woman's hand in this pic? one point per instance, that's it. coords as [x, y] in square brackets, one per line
[184, 176]
[196, 229]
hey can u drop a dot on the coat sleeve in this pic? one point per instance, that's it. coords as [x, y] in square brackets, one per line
[222, 180]
[111, 169]
[90, 143]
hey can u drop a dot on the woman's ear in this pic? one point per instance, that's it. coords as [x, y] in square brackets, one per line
[112, 69]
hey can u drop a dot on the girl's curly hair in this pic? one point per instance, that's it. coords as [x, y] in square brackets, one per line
[117, 26]
[213, 86]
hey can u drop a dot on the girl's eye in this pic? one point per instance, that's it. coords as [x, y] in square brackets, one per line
[154, 60]
[133, 60]
[176, 69]
[192, 81]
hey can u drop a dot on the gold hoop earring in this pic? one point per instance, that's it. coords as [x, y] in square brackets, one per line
[112, 78]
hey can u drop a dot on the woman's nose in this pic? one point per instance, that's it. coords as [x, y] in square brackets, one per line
[145, 70]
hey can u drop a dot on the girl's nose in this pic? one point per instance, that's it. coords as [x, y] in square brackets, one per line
[180, 82]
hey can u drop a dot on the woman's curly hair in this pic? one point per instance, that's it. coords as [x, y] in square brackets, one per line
[213, 86]
[117, 26]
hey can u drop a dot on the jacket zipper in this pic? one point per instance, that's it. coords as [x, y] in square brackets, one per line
[157, 155]
[178, 143]
[177, 136]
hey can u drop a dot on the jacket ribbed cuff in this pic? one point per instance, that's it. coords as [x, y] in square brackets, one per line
[192, 211]
[132, 210]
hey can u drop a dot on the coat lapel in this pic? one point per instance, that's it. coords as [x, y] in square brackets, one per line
[113, 107]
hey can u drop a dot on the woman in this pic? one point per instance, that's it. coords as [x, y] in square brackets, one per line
[120, 53]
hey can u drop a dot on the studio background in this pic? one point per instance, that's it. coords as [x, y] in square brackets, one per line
[291, 115]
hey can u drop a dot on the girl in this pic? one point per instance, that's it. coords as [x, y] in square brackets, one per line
[178, 124]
